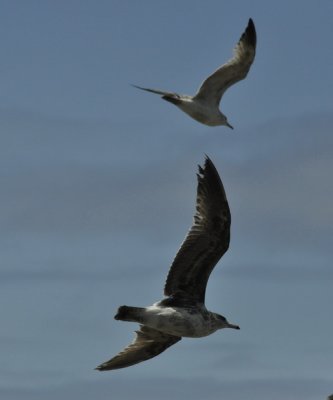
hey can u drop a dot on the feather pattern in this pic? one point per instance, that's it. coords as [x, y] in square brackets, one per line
[236, 69]
[147, 344]
[206, 242]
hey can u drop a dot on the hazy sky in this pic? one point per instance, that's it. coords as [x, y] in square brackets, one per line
[98, 188]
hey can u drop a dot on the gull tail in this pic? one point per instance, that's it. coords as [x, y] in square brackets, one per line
[131, 314]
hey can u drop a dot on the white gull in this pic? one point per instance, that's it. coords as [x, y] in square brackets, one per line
[182, 313]
[204, 105]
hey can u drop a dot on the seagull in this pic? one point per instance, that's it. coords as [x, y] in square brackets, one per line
[204, 105]
[182, 312]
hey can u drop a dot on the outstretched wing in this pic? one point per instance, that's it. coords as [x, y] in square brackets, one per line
[206, 242]
[156, 91]
[147, 344]
[236, 69]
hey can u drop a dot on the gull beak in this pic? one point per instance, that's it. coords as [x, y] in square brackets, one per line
[233, 326]
[228, 125]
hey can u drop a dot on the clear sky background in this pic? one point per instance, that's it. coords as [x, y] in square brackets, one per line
[98, 187]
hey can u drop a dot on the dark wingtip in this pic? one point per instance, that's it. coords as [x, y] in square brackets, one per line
[250, 33]
[202, 170]
[209, 176]
[208, 170]
[102, 367]
[208, 163]
[136, 86]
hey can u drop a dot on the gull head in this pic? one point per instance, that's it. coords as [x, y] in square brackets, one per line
[222, 322]
[225, 122]
[222, 120]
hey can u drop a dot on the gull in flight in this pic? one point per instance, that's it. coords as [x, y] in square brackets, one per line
[182, 313]
[204, 105]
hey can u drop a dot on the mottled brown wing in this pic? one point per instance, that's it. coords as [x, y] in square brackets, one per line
[236, 69]
[206, 242]
[147, 344]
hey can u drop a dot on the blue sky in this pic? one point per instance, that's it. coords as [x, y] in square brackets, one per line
[98, 188]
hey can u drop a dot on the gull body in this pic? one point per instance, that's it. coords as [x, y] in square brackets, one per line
[193, 322]
[204, 105]
[182, 312]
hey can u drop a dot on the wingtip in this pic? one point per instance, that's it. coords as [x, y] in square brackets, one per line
[202, 169]
[207, 169]
[136, 86]
[101, 368]
[208, 161]
[251, 33]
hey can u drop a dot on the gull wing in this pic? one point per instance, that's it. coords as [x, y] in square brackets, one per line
[156, 91]
[236, 69]
[206, 242]
[147, 344]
